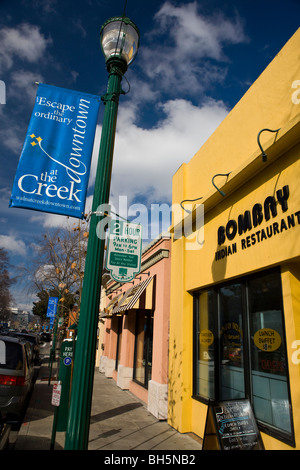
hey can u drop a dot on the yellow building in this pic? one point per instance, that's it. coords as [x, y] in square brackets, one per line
[235, 291]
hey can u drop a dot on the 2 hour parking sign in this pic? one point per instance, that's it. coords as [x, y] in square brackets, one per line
[124, 250]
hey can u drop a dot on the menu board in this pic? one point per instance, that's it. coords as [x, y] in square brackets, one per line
[231, 425]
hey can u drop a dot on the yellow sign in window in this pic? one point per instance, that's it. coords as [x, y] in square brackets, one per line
[267, 339]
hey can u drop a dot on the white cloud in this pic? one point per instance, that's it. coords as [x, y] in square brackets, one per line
[194, 44]
[25, 42]
[22, 88]
[22, 298]
[196, 35]
[12, 137]
[146, 159]
[10, 243]
[22, 83]
[43, 6]
[77, 24]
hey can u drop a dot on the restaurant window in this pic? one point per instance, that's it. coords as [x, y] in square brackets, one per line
[142, 370]
[119, 340]
[240, 350]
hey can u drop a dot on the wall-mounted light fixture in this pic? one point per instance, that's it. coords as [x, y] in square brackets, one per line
[189, 200]
[213, 182]
[140, 278]
[119, 289]
[263, 154]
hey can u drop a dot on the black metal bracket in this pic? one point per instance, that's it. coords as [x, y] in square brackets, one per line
[263, 153]
[220, 174]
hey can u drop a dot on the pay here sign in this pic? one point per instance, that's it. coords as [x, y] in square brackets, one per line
[124, 250]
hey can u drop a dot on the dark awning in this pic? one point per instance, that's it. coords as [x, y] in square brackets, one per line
[134, 298]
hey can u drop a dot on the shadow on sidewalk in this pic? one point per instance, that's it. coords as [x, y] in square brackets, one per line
[40, 403]
[36, 443]
[114, 412]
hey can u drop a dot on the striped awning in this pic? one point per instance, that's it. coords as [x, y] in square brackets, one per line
[107, 311]
[139, 296]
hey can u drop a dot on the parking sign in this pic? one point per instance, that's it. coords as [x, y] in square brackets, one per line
[124, 250]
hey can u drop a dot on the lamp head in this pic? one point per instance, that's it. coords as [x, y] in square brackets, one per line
[119, 38]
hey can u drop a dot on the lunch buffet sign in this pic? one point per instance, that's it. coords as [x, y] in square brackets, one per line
[231, 425]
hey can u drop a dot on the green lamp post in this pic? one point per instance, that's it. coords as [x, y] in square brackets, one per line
[119, 41]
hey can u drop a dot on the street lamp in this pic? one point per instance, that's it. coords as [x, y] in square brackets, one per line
[119, 42]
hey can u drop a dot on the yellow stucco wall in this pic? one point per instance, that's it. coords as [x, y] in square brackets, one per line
[270, 103]
[204, 269]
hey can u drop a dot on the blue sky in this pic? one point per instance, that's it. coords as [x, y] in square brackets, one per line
[196, 60]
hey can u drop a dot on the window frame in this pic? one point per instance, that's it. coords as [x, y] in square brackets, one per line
[149, 315]
[284, 436]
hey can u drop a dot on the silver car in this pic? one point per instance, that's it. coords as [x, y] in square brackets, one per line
[16, 376]
[34, 340]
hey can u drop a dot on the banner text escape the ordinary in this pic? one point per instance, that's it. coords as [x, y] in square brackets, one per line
[53, 171]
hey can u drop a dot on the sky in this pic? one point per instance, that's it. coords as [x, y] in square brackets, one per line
[195, 62]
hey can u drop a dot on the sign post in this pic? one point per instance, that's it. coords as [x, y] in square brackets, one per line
[65, 372]
[61, 411]
[56, 394]
[55, 401]
[124, 250]
[51, 313]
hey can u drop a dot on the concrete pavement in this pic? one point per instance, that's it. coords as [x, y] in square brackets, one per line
[119, 421]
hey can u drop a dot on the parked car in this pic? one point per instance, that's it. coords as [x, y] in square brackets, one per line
[16, 376]
[46, 337]
[34, 340]
[5, 429]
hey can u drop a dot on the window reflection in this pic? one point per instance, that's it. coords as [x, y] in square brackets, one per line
[231, 343]
[228, 365]
[143, 348]
[268, 352]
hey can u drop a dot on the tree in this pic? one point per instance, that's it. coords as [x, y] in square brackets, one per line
[5, 283]
[40, 308]
[59, 267]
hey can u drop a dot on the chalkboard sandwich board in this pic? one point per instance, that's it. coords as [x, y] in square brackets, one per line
[231, 425]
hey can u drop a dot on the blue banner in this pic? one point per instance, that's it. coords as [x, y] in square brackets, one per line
[54, 167]
[52, 307]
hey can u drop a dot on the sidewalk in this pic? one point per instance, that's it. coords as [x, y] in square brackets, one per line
[119, 421]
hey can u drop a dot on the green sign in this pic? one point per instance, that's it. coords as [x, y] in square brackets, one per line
[124, 250]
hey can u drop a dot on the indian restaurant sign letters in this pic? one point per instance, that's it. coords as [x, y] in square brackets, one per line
[250, 220]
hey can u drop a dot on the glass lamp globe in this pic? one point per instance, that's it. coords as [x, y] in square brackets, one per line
[119, 39]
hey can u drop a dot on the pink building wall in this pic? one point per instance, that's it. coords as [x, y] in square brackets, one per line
[156, 260]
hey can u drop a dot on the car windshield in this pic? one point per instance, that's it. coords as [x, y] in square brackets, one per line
[11, 356]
